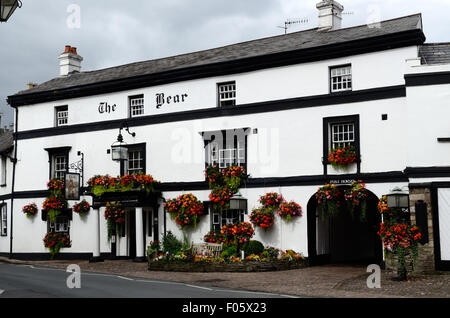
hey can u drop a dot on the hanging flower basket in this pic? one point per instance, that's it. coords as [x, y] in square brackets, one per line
[81, 208]
[53, 206]
[328, 198]
[213, 175]
[288, 210]
[262, 218]
[342, 157]
[30, 210]
[233, 177]
[221, 196]
[356, 198]
[56, 241]
[114, 216]
[271, 201]
[185, 210]
[56, 187]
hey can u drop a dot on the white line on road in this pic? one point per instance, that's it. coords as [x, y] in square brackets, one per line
[1, 291]
[126, 278]
[193, 286]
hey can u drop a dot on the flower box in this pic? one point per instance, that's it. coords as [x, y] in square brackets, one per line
[240, 267]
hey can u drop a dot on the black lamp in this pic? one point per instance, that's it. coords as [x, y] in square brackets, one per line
[7, 8]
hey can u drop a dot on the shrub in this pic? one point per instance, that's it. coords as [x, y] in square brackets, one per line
[153, 248]
[171, 244]
[271, 252]
[229, 251]
[253, 247]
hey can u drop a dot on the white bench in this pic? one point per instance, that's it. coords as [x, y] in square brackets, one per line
[207, 249]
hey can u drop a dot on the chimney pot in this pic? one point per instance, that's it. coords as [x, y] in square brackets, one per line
[69, 61]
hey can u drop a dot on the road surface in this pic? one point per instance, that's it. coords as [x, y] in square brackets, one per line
[39, 282]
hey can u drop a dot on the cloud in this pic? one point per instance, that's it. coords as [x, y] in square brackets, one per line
[115, 32]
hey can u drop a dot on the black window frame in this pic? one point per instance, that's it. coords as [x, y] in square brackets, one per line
[330, 68]
[224, 144]
[327, 123]
[53, 153]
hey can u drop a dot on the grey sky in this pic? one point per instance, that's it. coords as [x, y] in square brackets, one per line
[115, 32]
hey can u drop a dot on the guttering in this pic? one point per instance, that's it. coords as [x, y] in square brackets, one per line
[14, 160]
[354, 47]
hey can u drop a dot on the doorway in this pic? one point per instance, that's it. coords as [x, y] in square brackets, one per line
[344, 238]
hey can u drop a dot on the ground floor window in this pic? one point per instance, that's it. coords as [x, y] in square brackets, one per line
[220, 219]
[61, 225]
[3, 220]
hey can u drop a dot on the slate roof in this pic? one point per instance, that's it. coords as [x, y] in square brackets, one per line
[435, 53]
[271, 45]
[6, 141]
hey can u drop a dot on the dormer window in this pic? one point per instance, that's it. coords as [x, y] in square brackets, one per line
[341, 78]
[62, 116]
[227, 94]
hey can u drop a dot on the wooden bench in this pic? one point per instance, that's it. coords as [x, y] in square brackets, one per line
[207, 249]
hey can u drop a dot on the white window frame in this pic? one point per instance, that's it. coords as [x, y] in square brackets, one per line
[137, 107]
[57, 171]
[226, 94]
[341, 78]
[3, 171]
[236, 157]
[61, 225]
[342, 135]
[3, 220]
[140, 160]
[62, 116]
[220, 219]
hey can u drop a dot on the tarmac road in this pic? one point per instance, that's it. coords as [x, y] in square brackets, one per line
[27, 281]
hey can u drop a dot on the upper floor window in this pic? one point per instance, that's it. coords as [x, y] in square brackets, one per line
[3, 220]
[342, 135]
[136, 159]
[59, 162]
[3, 171]
[136, 105]
[227, 94]
[226, 148]
[62, 116]
[341, 78]
[61, 225]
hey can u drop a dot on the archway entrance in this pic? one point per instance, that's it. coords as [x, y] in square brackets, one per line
[344, 238]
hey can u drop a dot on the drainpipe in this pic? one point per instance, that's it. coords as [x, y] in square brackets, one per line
[14, 161]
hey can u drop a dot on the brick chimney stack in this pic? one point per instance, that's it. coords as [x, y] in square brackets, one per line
[69, 61]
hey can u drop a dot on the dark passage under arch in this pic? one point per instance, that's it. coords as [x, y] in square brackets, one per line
[344, 238]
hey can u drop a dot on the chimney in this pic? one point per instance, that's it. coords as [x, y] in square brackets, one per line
[31, 85]
[69, 61]
[330, 15]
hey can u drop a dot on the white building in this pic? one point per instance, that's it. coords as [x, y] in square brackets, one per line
[379, 85]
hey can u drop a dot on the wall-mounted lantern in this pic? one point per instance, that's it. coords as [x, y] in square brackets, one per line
[119, 149]
[398, 199]
[7, 8]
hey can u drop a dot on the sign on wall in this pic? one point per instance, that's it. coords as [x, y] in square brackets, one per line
[72, 186]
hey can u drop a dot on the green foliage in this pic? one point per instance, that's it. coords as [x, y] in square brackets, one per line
[171, 244]
[153, 248]
[253, 247]
[271, 252]
[52, 214]
[231, 250]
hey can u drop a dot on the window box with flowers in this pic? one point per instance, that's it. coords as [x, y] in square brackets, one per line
[342, 158]
[55, 241]
[99, 185]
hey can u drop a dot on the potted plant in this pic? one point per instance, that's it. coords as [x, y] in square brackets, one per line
[81, 208]
[30, 210]
[288, 210]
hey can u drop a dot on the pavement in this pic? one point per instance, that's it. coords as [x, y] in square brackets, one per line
[329, 281]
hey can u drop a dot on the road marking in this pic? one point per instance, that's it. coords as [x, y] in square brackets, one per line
[198, 287]
[1, 291]
[126, 278]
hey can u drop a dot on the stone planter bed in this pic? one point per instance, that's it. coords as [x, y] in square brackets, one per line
[245, 266]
